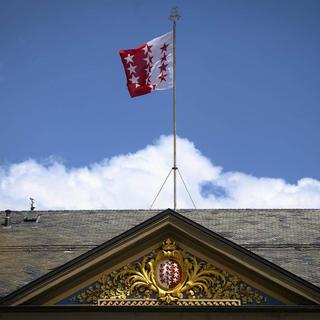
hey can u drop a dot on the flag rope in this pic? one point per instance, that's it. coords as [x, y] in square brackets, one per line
[185, 186]
[157, 195]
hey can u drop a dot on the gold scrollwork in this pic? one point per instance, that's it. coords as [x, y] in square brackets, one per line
[198, 280]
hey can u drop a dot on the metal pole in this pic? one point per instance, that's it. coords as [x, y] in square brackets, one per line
[174, 17]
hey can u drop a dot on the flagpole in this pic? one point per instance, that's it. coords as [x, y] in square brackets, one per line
[174, 17]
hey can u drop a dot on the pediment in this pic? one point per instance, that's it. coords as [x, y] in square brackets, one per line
[167, 260]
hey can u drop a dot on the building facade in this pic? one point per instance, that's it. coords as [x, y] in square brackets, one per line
[207, 264]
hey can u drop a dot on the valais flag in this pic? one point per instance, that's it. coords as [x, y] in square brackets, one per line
[150, 66]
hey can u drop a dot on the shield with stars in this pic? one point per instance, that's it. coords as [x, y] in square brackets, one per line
[169, 273]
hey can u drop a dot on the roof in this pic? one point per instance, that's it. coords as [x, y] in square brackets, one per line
[288, 238]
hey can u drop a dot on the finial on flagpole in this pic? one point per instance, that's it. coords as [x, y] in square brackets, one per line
[174, 16]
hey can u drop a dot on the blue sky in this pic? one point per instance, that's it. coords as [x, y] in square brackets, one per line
[248, 76]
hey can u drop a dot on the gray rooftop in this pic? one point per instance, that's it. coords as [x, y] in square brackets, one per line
[29, 249]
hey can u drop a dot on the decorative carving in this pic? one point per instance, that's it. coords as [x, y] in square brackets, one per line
[169, 275]
[182, 302]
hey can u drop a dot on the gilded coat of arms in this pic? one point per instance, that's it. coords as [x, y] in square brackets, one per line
[170, 275]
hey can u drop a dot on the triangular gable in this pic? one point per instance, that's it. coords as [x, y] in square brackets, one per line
[167, 260]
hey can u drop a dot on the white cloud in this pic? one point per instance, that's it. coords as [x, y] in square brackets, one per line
[132, 180]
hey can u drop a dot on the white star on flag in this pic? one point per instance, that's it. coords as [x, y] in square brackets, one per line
[132, 68]
[146, 49]
[134, 79]
[129, 58]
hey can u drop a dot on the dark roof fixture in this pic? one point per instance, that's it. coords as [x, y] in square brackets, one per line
[31, 216]
[7, 223]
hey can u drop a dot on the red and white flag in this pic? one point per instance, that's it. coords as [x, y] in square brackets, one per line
[150, 66]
